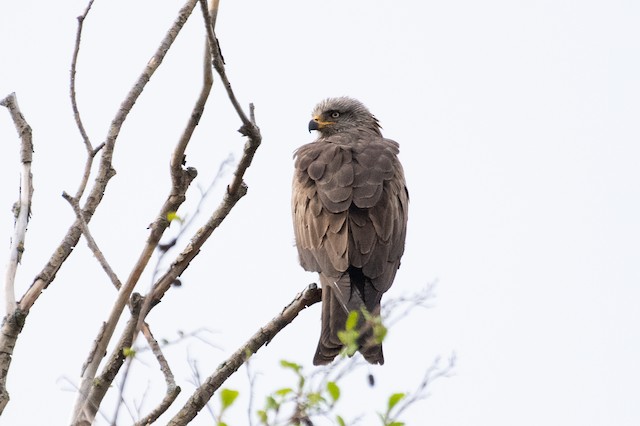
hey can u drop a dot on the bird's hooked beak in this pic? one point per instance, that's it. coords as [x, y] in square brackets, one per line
[316, 123]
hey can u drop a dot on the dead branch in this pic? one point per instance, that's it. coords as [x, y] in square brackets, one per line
[105, 171]
[91, 400]
[157, 228]
[93, 246]
[312, 294]
[14, 319]
[22, 209]
[91, 153]
[181, 178]
[249, 127]
[172, 389]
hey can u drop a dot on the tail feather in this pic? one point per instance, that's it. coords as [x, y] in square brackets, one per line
[338, 299]
[329, 345]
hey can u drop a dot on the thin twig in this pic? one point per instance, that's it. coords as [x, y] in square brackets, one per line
[186, 224]
[197, 382]
[434, 372]
[252, 382]
[121, 401]
[312, 294]
[22, 209]
[172, 389]
[72, 83]
[91, 153]
[249, 127]
[93, 246]
[218, 62]
[421, 298]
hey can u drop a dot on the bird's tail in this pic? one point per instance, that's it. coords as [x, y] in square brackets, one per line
[338, 299]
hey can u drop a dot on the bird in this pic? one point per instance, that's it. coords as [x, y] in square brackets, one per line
[350, 209]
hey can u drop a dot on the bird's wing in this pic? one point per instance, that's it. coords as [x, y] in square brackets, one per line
[331, 234]
[378, 220]
[322, 193]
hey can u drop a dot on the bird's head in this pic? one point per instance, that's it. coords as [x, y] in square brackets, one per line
[334, 115]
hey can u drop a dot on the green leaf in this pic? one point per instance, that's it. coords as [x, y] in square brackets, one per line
[227, 396]
[394, 399]
[396, 424]
[314, 398]
[222, 424]
[171, 216]
[129, 352]
[272, 404]
[379, 332]
[352, 321]
[340, 421]
[349, 339]
[334, 390]
[291, 365]
[283, 391]
[262, 415]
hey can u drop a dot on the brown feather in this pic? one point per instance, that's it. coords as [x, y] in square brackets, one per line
[349, 208]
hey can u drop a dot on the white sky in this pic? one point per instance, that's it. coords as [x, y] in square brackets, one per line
[518, 125]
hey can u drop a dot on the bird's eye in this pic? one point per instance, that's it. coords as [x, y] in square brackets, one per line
[335, 114]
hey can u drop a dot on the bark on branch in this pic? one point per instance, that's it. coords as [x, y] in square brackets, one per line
[87, 401]
[14, 319]
[22, 209]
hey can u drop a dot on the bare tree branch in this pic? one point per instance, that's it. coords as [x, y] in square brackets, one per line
[91, 400]
[22, 209]
[91, 153]
[181, 178]
[172, 389]
[236, 189]
[14, 319]
[92, 243]
[123, 381]
[157, 228]
[105, 171]
[312, 294]
[249, 127]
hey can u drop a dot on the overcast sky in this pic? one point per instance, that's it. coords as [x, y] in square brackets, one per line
[518, 128]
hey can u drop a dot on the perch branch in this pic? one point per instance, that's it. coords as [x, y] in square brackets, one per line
[22, 209]
[312, 294]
